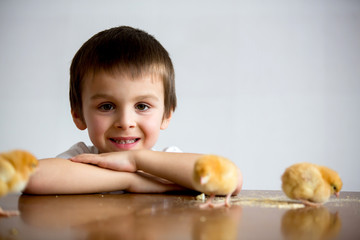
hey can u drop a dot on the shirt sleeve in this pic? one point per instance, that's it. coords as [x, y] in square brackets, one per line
[78, 148]
[172, 149]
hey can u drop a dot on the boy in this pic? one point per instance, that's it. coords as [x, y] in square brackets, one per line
[122, 91]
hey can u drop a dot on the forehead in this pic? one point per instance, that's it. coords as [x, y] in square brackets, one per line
[129, 73]
[117, 82]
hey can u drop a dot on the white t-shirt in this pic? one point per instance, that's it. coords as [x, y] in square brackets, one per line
[81, 147]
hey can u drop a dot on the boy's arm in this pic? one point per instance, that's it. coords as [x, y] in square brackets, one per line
[175, 167]
[61, 176]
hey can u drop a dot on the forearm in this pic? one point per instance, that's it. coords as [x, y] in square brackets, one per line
[175, 167]
[61, 176]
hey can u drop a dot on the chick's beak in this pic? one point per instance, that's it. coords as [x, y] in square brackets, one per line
[204, 180]
[337, 194]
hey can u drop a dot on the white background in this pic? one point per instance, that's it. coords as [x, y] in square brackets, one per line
[264, 83]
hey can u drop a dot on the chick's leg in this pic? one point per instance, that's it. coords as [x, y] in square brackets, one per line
[208, 202]
[226, 203]
[8, 213]
[310, 204]
[227, 200]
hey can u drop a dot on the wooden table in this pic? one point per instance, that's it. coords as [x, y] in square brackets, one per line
[253, 215]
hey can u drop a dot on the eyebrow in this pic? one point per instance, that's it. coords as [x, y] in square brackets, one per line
[100, 95]
[138, 98]
[148, 96]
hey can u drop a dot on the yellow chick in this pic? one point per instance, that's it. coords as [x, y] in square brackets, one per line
[215, 175]
[310, 183]
[15, 168]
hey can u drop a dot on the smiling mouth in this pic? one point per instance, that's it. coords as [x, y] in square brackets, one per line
[124, 141]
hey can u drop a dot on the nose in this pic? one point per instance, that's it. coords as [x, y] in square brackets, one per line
[125, 119]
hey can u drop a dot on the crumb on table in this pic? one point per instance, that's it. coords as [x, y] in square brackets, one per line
[201, 197]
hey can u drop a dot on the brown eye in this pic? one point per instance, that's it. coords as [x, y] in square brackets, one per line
[142, 107]
[106, 107]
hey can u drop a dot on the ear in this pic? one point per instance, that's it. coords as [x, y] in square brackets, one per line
[80, 124]
[166, 121]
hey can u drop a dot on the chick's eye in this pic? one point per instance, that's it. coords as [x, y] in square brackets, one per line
[142, 107]
[106, 107]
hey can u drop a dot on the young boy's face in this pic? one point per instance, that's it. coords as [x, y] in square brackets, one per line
[121, 113]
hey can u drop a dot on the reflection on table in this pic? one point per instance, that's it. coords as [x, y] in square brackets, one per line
[310, 223]
[253, 215]
[129, 216]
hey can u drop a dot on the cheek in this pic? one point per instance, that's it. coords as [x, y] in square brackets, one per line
[151, 127]
[96, 125]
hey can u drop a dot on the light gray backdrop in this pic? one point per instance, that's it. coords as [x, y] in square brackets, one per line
[265, 83]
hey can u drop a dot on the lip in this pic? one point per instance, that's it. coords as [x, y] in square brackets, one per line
[124, 143]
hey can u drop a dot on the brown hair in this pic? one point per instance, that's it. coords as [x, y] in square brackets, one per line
[127, 50]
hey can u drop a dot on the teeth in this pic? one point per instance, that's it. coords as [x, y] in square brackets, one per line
[124, 141]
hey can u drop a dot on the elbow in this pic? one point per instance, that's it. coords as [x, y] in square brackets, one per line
[240, 183]
[43, 180]
[33, 187]
[38, 183]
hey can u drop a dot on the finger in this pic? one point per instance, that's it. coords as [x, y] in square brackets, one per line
[86, 158]
[100, 160]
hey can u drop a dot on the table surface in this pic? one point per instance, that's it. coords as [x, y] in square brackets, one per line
[252, 215]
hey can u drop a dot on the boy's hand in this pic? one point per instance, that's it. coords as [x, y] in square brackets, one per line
[118, 161]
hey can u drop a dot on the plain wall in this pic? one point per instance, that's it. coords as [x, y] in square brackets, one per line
[264, 83]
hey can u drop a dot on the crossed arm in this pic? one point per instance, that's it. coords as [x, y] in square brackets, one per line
[141, 171]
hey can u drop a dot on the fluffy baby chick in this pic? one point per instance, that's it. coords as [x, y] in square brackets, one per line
[15, 168]
[215, 175]
[310, 183]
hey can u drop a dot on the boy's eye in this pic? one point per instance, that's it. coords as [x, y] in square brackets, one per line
[106, 107]
[142, 107]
